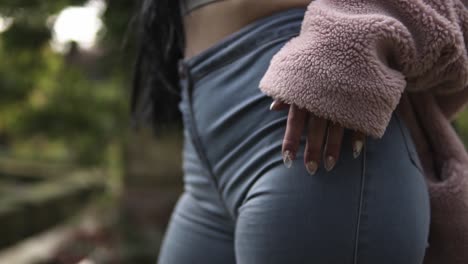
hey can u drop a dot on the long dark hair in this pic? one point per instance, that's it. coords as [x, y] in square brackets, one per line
[161, 43]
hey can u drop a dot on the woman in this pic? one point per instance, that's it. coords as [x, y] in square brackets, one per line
[339, 70]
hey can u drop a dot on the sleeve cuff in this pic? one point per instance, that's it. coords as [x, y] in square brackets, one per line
[359, 97]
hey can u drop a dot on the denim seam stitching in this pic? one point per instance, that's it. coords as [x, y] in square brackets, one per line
[361, 199]
[198, 145]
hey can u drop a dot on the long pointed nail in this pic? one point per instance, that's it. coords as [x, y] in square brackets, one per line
[329, 163]
[312, 167]
[357, 148]
[273, 105]
[287, 158]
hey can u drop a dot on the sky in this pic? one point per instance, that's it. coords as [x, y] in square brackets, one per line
[5, 23]
[78, 23]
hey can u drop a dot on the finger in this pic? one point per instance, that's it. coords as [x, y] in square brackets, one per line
[316, 131]
[277, 105]
[292, 137]
[333, 146]
[358, 140]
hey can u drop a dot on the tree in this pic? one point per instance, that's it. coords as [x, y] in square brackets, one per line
[45, 95]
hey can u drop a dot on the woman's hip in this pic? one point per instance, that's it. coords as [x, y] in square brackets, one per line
[233, 162]
[235, 135]
[373, 209]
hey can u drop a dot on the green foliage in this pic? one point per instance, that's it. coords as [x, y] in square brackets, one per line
[34, 10]
[44, 95]
[461, 126]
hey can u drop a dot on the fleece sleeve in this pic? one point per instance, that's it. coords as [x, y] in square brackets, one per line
[353, 58]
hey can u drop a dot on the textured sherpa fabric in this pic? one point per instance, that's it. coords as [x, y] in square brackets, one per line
[354, 58]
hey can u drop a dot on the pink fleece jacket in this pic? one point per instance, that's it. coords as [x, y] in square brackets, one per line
[354, 58]
[356, 61]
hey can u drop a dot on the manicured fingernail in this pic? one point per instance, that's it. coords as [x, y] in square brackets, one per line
[357, 148]
[312, 167]
[329, 163]
[287, 158]
[273, 105]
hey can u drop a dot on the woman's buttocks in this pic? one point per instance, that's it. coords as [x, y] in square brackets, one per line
[366, 209]
[372, 208]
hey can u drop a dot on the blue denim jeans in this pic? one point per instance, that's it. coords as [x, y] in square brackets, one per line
[242, 205]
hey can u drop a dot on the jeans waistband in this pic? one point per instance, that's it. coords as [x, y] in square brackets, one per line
[250, 37]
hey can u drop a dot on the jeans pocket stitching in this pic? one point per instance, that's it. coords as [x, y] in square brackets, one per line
[360, 206]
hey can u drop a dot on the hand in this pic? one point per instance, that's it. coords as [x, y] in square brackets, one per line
[321, 133]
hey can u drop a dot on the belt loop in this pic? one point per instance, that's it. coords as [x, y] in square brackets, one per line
[184, 75]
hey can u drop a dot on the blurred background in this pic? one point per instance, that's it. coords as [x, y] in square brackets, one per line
[77, 185]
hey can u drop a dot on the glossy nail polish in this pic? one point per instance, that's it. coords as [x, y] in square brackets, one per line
[312, 167]
[329, 163]
[357, 148]
[287, 158]
[273, 104]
